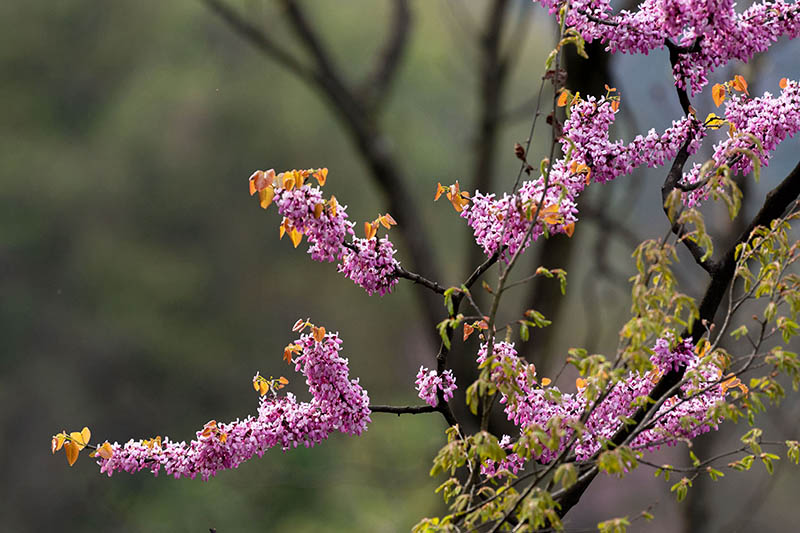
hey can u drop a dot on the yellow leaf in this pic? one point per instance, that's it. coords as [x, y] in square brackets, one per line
[580, 383]
[296, 237]
[288, 181]
[265, 197]
[283, 226]
[81, 438]
[105, 451]
[58, 441]
[223, 437]
[546, 382]
[332, 203]
[72, 450]
[718, 93]
[263, 388]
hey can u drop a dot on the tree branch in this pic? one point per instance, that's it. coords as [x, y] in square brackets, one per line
[259, 38]
[402, 409]
[377, 83]
[670, 183]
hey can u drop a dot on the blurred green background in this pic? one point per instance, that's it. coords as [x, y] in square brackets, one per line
[142, 287]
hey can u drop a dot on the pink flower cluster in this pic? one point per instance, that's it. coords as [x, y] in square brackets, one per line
[720, 33]
[369, 263]
[326, 229]
[429, 382]
[505, 222]
[528, 403]
[338, 404]
[770, 119]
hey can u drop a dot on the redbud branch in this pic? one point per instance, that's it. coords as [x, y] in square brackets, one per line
[402, 409]
[400, 272]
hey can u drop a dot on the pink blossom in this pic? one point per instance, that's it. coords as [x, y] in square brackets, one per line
[429, 382]
[338, 404]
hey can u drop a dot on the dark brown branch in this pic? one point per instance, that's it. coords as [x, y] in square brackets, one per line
[670, 183]
[402, 409]
[675, 52]
[775, 204]
[376, 84]
[259, 38]
[401, 272]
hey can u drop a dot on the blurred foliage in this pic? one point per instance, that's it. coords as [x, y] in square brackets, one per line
[142, 287]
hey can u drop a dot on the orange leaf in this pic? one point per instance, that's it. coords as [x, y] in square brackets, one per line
[740, 84]
[718, 93]
[370, 229]
[580, 383]
[296, 237]
[263, 388]
[105, 451]
[468, 330]
[548, 381]
[333, 205]
[223, 437]
[319, 334]
[784, 83]
[439, 190]
[562, 98]
[256, 178]
[284, 225]
[72, 450]
[615, 105]
[609, 89]
[256, 384]
[390, 219]
[265, 197]
[318, 210]
[283, 381]
[321, 176]
[551, 215]
[569, 229]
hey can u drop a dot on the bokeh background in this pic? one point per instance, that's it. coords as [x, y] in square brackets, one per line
[142, 288]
